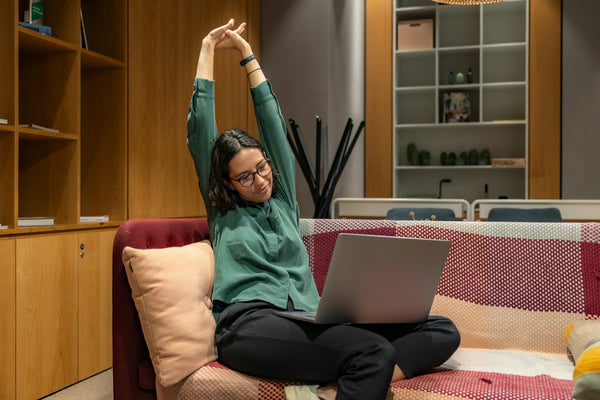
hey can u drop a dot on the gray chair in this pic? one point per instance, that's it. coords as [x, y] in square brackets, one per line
[430, 213]
[549, 214]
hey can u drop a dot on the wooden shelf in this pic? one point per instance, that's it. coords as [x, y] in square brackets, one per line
[52, 82]
[31, 42]
[58, 228]
[91, 60]
[38, 134]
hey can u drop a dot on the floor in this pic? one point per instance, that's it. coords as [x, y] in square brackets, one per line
[97, 387]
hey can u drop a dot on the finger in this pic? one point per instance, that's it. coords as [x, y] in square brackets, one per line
[234, 36]
[241, 28]
[230, 23]
[220, 31]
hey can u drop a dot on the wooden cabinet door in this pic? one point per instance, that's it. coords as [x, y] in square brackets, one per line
[46, 319]
[95, 301]
[7, 319]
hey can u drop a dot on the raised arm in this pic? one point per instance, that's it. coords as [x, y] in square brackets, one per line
[271, 124]
[201, 123]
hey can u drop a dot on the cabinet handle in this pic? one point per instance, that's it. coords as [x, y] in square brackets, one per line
[81, 254]
[82, 246]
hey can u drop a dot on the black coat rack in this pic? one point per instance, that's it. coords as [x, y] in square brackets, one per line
[322, 187]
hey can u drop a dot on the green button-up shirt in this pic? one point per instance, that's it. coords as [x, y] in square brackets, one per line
[259, 254]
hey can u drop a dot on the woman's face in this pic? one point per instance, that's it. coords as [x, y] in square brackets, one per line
[243, 169]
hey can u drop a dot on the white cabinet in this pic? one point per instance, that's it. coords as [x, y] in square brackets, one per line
[492, 42]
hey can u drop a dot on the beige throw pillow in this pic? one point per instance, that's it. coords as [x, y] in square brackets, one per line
[172, 289]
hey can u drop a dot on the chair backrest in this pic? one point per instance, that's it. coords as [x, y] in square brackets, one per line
[377, 208]
[421, 213]
[571, 210]
[548, 214]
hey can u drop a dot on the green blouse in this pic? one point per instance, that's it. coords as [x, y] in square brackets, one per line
[259, 254]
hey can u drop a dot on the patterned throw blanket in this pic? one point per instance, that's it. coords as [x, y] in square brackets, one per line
[511, 288]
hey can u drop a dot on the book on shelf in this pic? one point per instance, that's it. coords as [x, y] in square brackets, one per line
[36, 11]
[94, 218]
[43, 29]
[40, 127]
[33, 11]
[35, 221]
[508, 162]
[3, 121]
[3, 226]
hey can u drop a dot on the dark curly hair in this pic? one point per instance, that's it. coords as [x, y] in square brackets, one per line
[231, 142]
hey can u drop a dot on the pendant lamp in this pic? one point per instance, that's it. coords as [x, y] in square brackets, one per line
[468, 2]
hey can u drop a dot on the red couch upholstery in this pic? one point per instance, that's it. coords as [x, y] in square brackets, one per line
[133, 374]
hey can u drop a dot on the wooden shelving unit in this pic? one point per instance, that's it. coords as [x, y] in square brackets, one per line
[56, 297]
[51, 81]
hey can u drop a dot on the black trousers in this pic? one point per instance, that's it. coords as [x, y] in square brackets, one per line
[360, 358]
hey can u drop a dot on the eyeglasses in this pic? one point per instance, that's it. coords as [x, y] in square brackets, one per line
[246, 180]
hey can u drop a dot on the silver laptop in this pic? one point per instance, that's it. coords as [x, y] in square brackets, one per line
[379, 279]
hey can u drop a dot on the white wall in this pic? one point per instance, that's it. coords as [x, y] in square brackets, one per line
[313, 53]
[581, 100]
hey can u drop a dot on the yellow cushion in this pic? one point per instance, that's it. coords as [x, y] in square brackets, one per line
[583, 341]
[172, 289]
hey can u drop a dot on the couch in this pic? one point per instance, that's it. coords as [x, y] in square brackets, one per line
[511, 288]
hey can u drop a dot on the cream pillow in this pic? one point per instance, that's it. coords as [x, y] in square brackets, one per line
[171, 289]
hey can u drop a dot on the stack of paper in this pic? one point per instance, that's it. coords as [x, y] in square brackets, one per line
[94, 218]
[35, 221]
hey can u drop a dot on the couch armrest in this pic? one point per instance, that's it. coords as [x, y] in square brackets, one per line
[129, 346]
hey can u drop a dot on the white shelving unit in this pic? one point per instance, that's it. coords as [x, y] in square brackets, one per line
[492, 40]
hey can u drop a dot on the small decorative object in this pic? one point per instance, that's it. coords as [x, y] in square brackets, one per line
[444, 158]
[412, 215]
[412, 154]
[473, 157]
[452, 158]
[457, 107]
[508, 162]
[470, 76]
[451, 78]
[424, 158]
[462, 158]
[460, 78]
[484, 157]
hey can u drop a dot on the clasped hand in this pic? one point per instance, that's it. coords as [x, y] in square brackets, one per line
[224, 37]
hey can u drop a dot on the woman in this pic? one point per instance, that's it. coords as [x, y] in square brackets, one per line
[261, 263]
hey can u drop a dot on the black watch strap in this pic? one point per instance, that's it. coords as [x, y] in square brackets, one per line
[247, 59]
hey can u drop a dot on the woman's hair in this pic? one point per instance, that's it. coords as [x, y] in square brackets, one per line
[221, 195]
